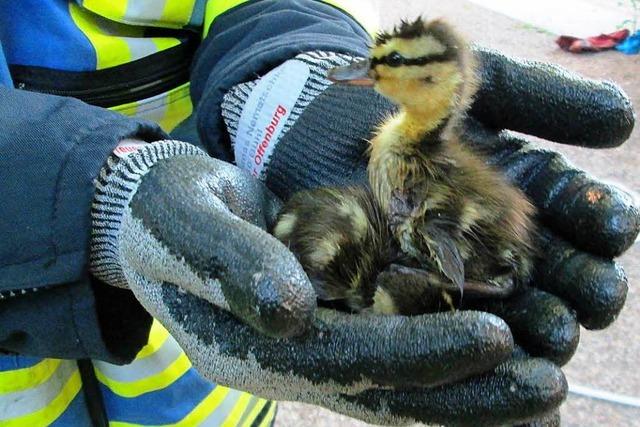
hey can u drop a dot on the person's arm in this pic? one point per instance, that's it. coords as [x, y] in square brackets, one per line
[253, 38]
[52, 149]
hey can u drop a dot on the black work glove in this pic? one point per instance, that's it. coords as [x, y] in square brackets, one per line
[584, 223]
[186, 233]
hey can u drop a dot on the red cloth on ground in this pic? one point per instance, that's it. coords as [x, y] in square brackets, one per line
[592, 44]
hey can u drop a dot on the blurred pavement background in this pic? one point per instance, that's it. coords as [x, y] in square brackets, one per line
[606, 360]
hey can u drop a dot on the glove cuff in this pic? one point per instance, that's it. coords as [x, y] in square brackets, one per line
[320, 137]
[116, 184]
[259, 113]
[327, 146]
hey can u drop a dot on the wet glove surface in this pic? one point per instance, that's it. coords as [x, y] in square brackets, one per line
[186, 233]
[585, 223]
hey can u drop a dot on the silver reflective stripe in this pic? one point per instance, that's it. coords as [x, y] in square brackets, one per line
[143, 368]
[139, 47]
[17, 404]
[250, 405]
[144, 10]
[220, 414]
[154, 108]
[197, 16]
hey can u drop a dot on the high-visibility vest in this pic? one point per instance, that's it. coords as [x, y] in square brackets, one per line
[160, 387]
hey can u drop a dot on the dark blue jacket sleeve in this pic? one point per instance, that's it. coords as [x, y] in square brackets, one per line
[51, 149]
[252, 38]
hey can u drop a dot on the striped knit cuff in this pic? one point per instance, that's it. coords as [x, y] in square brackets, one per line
[279, 83]
[116, 184]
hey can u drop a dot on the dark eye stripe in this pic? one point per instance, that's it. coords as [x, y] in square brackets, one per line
[422, 60]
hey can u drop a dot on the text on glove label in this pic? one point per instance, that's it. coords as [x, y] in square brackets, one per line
[265, 114]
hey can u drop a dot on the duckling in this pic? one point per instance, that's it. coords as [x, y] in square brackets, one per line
[342, 239]
[455, 216]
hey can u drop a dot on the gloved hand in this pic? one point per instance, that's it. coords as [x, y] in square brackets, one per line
[187, 234]
[164, 221]
[585, 223]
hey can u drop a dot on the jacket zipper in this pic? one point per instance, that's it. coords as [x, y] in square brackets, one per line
[112, 95]
[119, 85]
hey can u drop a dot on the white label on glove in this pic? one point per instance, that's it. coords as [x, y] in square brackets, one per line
[265, 114]
[127, 147]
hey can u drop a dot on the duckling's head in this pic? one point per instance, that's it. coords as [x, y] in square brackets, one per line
[417, 63]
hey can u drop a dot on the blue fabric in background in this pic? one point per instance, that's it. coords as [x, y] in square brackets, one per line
[42, 33]
[170, 404]
[631, 45]
[5, 77]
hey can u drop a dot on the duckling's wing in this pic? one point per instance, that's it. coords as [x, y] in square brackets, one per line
[443, 249]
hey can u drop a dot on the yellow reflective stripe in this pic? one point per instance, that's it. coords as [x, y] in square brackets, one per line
[143, 368]
[152, 383]
[254, 412]
[129, 109]
[174, 13]
[205, 408]
[269, 418]
[163, 43]
[362, 11]
[110, 50]
[25, 378]
[179, 107]
[237, 411]
[157, 337]
[123, 424]
[167, 109]
[199, 413]
[113, 9]
[53, 410]
[216, 8]
[177, 12]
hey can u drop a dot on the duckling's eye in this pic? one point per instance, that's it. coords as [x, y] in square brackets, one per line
[394, 59]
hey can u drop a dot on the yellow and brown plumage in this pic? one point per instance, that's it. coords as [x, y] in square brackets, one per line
[341, 238]
[454, 221]
[343, 241]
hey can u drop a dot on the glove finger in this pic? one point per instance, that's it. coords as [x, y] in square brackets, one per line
[189, 211]
[340, 353]
[540, 322]
[595, 287]
[596, 217]
[516, 391]
[550, 420]
[550, 102]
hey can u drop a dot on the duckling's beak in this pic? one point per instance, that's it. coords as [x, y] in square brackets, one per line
[356, 74]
